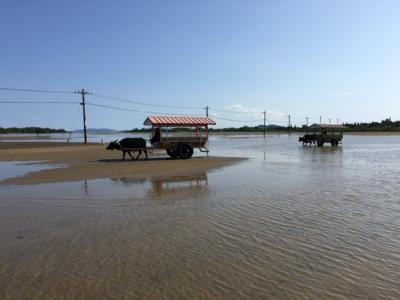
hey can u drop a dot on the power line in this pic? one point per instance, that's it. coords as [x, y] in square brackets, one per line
[39, 102]
[35, 91]
[297, 117]
[132, 110]
[128, 100]
[143, 103]
[277, 121]
[165, 106]
[233, 112]
[133, 102]
[244, 121]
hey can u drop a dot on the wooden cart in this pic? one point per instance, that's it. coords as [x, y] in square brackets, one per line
[179, 144]
[323, 133]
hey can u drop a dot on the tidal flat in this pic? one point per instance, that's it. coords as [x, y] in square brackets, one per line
[93, 161]
[288, 222]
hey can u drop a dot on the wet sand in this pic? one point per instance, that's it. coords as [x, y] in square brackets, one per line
[93, 161]
[292, 222]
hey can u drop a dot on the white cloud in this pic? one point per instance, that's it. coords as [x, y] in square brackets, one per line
[240, 109]
[253, 111]
[277, 114]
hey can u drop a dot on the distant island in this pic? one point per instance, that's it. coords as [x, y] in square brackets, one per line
[41, 130]
[30, 130]
[96, 130]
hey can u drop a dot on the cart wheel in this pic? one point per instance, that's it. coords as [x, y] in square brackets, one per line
[185, 151]
[320, 143]
[172, 153]
[334, 143]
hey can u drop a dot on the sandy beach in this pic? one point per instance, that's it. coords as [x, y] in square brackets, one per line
[93, 161]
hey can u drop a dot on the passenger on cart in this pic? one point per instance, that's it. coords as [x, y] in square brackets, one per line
[155, 139]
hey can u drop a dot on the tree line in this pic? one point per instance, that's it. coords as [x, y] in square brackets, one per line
[384, 125]
[30, 130]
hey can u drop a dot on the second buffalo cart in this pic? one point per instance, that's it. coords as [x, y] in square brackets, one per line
[323, 133]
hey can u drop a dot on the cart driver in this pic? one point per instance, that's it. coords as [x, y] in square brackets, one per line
[155, 139]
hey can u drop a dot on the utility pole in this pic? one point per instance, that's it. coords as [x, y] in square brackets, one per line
[265, 116]
[337, 121]
[207, 111]
[320, 120]
[329, 121]
[83, 103]
[307, 121]
[289, 124]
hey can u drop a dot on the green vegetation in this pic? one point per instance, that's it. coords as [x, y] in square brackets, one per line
[259, 128]
[138, 130]
[229, 129]
[147, 129]
[30, 130]
[385, 125]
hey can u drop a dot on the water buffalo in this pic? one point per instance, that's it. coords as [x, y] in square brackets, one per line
[127, 145]
[308, 139]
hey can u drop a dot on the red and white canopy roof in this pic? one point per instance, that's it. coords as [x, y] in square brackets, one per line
[178, 121]
[328, 126]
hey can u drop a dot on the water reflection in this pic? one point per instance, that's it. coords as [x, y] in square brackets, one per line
[176, 184]
[289, 223]
[168, 185]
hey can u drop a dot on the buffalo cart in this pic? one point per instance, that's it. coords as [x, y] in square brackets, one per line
[179, 136]
[323, 133]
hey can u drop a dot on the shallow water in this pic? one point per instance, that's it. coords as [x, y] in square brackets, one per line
[291, 222]
[10, 169]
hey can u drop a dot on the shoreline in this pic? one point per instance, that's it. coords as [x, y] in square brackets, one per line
[93, 161]
[10, 137]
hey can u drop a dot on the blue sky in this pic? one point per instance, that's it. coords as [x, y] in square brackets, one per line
[335, 59]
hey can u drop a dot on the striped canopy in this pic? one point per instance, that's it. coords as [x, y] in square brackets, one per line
[178, 121]
[328, 126]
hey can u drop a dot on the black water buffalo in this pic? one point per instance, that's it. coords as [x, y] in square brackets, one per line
[127, 145]
[308, 139]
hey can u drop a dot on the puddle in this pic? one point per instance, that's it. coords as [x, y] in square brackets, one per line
[11, 169]
[166, 185]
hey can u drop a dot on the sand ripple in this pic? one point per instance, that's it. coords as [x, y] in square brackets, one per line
[263, 229]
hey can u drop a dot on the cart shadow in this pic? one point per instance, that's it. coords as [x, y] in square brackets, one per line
[116, 160]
